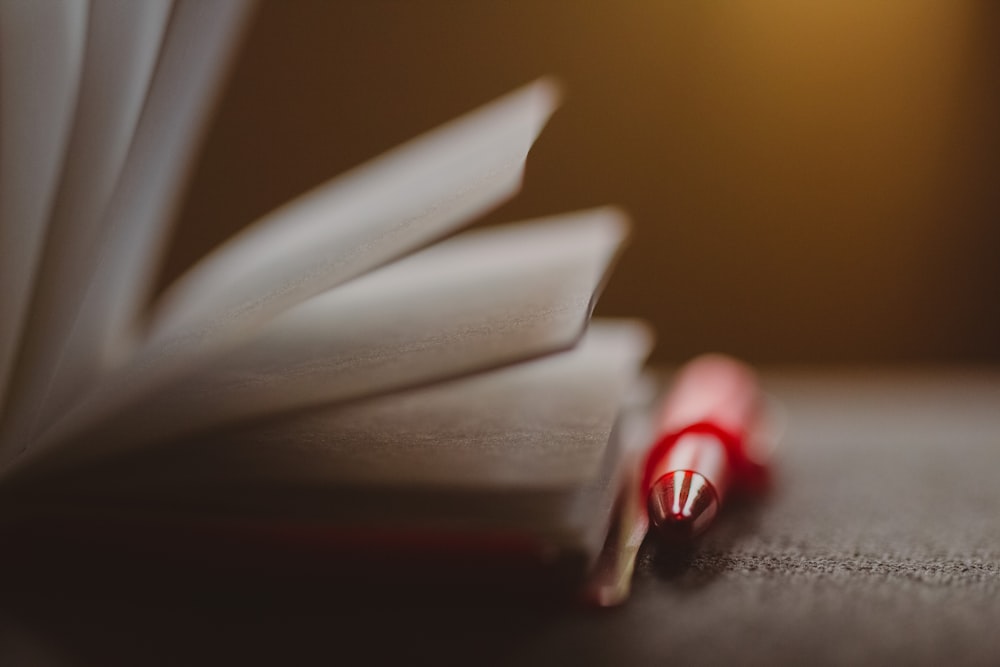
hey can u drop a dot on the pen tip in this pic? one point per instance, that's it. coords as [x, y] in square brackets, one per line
[682, 505]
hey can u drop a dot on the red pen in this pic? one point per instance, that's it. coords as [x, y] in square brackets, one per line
[710, 440]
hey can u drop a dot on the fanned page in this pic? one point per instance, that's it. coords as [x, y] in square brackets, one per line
[344, 345]
[41, 57]
[437, 183]
[474, 302]
[530, 441]
[410, 196]
[105, 276]
[123, 42]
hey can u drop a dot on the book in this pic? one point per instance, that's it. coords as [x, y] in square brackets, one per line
[352, 360]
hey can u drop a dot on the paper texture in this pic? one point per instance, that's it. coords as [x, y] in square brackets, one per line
[523, 448]
[41, 57]
[438, 182]
[199, 40]
[478, 301]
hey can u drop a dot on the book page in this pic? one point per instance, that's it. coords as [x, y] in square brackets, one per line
[41, 57]
[526, 446]
[437, 182]
[531, 449]
[479, 300]
[200, 39]
[389, 206]
[540, 425]
[123, 41]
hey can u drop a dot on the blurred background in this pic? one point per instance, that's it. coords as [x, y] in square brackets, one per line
[810, 182]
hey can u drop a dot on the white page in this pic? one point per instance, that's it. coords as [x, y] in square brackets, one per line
[375, 213]
[200, 44]
[41, 56]
[526, 449]
[437, 182]
[542, 425]
[200, 40]
[123, 41]
[399, 201]
[482, 299]
[539, 425]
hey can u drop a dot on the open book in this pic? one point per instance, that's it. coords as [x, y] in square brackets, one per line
[348, 359]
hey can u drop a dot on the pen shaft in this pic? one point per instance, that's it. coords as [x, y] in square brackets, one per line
[712, 389]
[704, 427]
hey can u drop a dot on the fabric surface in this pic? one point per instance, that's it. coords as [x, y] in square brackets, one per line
[879, 543]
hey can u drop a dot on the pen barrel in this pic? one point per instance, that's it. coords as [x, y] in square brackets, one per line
[718, 399]
[717, 390]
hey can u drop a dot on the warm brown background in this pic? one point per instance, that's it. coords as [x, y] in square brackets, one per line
[810, 181]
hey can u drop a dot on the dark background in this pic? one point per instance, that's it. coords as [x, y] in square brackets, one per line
[810, 182]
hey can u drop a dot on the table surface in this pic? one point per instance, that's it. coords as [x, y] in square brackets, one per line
[879, 542]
